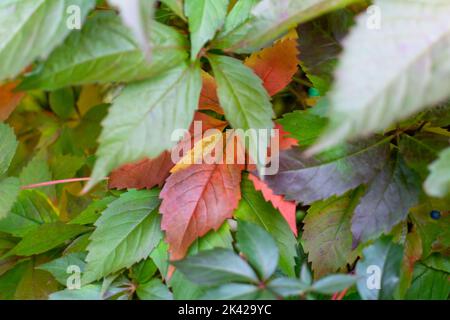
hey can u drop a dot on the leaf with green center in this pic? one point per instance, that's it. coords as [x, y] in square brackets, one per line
[245, 101]
[27, 32]
[258, 247]
[273, 18]
[389, 197]
[379, 271]
[254, 208]
[326, 233]
[287, 287]
[389, 90]
[37, 170]
[214, 267]
[205, 18]
[105, 51]
[335, 172]
[162, 104]
[9, 190]
[31, 210]
[8, 146]
[438, 182]
[127, 232]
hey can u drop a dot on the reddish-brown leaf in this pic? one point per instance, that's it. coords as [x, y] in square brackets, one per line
[144, 174]
[286, 208]
[148, 173]
[276, 65]
[208, 96]
[9, 99]
[197, 200]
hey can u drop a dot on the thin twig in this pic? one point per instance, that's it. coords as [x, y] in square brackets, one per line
[55, 182]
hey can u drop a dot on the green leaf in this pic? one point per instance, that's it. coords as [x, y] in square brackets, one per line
[389, 90]
[93, 211]
[438, 182]
[438, 262]
[161, 104]
[428, 284]
[245, 101]
[272, 18]
[304, 126]
[433, 233]
[27, 32]
[31, 210]
[326, 233]
[233, 291]
[59, 268]
[253, 208]
[379, 271]
[205, 18]
[213, 267]
[138, 16]
[127, 232]
[88, 292]
[34, 284]
[153, 290]
[390, 196]
[287, 287]
[9, 190]
[46, 237]
[258, 247]
[62, 103]
[37, 170]
[333, 283]
[143, 271]
[10, 280]
[8, 146]
[105, 51]
[176, 6]
[421, 149]
[236, 24]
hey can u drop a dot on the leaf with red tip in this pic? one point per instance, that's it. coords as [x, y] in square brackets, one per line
[276, 65]
[197, 200]
[286, 208]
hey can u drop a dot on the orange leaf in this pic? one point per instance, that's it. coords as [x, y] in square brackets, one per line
[287, 208]
[276, 65]
[285, 141]
[144, 174]
[197, 200]
[208, 96]
[9, 100]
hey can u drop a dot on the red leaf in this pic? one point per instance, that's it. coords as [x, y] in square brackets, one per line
[197, 200]
[287, 208]
[276, 65]
[144, 174]
[9, 100]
